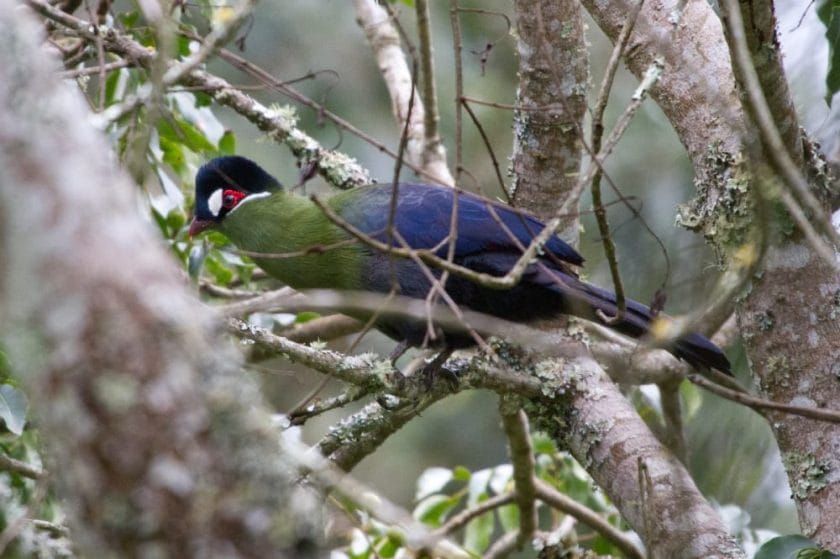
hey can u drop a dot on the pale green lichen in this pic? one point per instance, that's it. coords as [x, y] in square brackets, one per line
[723, 209]
[806, 473]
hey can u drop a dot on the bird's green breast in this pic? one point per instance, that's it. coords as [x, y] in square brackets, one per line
[285, 223]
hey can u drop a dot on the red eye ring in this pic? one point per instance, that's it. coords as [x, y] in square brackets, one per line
[230, 198]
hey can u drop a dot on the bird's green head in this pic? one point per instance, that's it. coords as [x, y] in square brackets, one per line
[225, 183]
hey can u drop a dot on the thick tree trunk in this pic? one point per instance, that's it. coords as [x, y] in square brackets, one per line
[159, 444]
[651, 488]
[788, 317]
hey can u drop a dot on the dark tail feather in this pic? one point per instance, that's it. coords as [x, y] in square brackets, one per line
[583, 299]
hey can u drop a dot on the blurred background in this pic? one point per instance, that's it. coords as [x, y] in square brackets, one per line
[732, 454]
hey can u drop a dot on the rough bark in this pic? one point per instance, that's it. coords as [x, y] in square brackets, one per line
[789, 315]
[553, 71]
[648, 484]
[763, 42]
[158, 443]
[596, 423]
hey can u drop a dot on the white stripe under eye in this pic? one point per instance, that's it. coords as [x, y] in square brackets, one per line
[214, 202]
[250, 198]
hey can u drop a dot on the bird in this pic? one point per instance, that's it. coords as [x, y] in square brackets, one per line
[237, 197]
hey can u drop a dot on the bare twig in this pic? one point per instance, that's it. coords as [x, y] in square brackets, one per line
[597, 135]
[455, 24]
[555, 499]
[515, 424]
[9, 464]
[462, 518]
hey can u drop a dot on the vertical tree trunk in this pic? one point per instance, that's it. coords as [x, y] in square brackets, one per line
[594, 421]
[159, 444]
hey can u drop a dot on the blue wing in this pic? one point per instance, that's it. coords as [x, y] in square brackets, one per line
[423, 219]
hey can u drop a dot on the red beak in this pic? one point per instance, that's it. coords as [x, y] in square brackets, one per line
[199, 225]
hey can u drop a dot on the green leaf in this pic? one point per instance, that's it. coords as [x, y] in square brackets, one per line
[432, 480]
[387, 547]
[227, 143]
[433, 509]
[691, 398]
[306, 316]
[792, 547]
[129, 19]
[543, 444]
[509, 517]
[829, 13]
[173, 155]
[186, 133]
[13, 407]
[111, 83]
[175, 220]
[221, 273]
[460, 473]
[478, 532]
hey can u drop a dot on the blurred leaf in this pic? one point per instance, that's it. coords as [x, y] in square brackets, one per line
[160, 220]
[222, 274]
[793, 546]
[5, 368]
[478, 532]
[692, 399]
[306, 316]
[184, 46]
[179, 130]
[173, 154]
[509, 517]
[13, 407]
[227, 143]
[111, 83]
[502, 474]
[216, 239]
[829, 13]
[359, 545]
[432, 480]
[461, 473]
[433, 509]
[129, 19]
[543, 444]
[175, 220]
[202, 99]
[388, 546]
[195, 262]
[478, 486]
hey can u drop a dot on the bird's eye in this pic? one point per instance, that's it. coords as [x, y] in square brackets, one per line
[231, 198]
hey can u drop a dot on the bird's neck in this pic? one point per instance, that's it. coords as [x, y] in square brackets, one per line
[297, 240]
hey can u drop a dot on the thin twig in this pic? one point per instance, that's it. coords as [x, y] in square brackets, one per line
[98, 69]
[455, 24]
[462, 518]
[515, 424]
[9, 464]
[597, 135]
[555, 499]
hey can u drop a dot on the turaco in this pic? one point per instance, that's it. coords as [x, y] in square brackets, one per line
[236, 196]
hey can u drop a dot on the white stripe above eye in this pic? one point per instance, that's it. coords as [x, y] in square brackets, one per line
[250, 198]
[214, 202]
